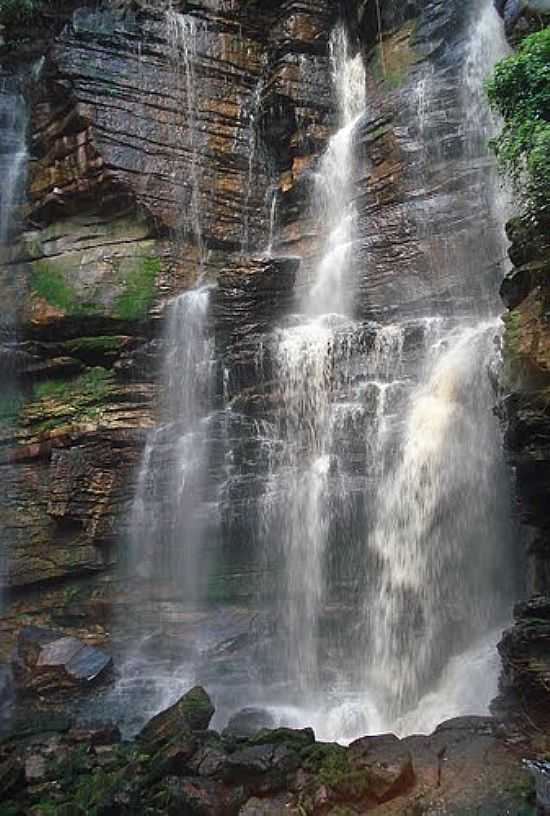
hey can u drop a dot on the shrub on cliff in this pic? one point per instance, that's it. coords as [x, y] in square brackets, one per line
[13, 10]
[519, 90]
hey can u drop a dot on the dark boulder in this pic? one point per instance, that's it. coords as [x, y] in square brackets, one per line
[388, 764]
[247, 722]
[262, 769]
[46, 662]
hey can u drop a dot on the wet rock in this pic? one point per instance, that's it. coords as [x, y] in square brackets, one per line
[35, 769]
[6, 686]
[210, 761]
[262, 768]
[96, 734]
[388, 764]
[12, 776]
[277, 806]
[199, 797]
[248, 721]
[29, 724]
[46, 662]
[192, 712]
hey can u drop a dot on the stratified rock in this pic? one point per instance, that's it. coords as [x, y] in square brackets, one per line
[248, 721]
[45, 662]
[192, 712]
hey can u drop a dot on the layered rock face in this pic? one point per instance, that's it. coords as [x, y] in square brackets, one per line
[147, 170]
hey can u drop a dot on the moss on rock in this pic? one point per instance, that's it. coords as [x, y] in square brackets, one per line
[57, 402]
[139, 290]
[394, 56]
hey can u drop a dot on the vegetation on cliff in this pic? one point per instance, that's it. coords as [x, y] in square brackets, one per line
[519, 90]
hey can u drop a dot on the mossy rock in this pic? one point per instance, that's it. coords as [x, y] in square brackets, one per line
[293, 738]
[55, 403]
[192, 712]
[394, 56]
[330, 765]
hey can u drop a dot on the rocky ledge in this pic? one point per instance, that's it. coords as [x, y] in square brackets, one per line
[525, 415]
[176, 765]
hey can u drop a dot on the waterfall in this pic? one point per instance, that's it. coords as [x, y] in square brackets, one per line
[382, 517]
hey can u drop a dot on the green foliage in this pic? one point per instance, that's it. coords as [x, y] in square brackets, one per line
[134, 302]
[519, 90]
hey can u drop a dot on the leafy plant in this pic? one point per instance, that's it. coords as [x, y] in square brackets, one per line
[519, 90]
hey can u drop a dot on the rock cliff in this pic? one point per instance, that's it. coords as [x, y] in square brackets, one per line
[166, 150]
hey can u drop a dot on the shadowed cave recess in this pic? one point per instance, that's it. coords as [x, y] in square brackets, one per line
[251, 349]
